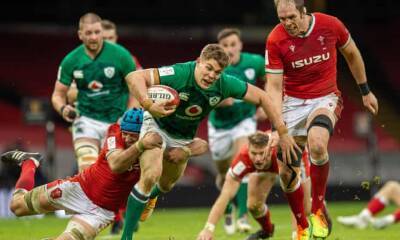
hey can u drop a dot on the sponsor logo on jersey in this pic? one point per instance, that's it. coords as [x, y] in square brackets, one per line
[250, 73]
[78, 74]
[310, 60]
[193, 110]
[214, 100]
[166, 71]
[111, 143]
[239, 168]
[109, 72]
[184, 96]
[95, 86]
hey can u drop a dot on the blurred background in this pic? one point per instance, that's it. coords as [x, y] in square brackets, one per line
[36, 35]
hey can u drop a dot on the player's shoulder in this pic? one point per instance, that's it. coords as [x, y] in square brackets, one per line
[114, 129]
[323, 19]
[180, 69]
[277, 34]
[252, 56]
[74, 55]
[115, 47]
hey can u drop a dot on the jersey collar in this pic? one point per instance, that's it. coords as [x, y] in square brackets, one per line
[310, 27]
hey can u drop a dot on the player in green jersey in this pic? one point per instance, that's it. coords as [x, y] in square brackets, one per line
[99, 69]
[201, 85]
[233, 120]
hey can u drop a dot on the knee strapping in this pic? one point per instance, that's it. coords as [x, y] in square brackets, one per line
[32, 200]
[322, 121]
[86, 153]
[294, 181]
[78, 232]
[319, 162]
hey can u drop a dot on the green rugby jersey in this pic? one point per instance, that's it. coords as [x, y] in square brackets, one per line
[249, 68]
[103, 92]
[195, 102]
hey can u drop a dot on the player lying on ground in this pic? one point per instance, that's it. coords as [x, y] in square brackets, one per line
[94, 195]
[201, 85]
[258, 160]
[390, 192]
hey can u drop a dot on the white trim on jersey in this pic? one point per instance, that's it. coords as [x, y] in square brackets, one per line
[274, 71]
[310, 28]
[346, 43]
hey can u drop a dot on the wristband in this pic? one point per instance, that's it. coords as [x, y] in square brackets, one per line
[62, 109]
[147, 104]
[187, 151]
[210, 227]
[282, 130]
[139, 146]
[364, 88]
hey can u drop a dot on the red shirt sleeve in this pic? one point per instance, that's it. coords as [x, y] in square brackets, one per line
[240, 166]
[113, 139]
[273, 59]
[342, 34]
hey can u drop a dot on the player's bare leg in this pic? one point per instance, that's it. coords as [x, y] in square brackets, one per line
[151, 169]
[320, 124]
[258, 190]
[86, 152]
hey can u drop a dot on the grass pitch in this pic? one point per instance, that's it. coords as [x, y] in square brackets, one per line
[184, 224]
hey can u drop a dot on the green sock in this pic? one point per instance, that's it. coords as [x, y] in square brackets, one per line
[229, 208]
[155, 192]
[241, 199]
[134, 209]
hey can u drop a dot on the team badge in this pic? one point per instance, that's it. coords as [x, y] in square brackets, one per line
[321, 39]
[95, 86]
[193, 110]
[214, 100]
[292, 48]
[109, 72]
[250, 73]
[184, 96]
[78, 74]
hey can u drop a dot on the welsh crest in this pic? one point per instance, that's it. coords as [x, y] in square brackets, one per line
[109, 72]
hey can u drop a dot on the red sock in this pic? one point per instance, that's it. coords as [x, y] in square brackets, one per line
[319, 177]
[375, 205]
[396, 215]
[26, 179]
[119, 216]
[265, 222]
[296, 203]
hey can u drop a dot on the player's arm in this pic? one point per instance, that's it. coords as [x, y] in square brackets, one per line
[121, 160]
[356, 64]
[59, 101]
[138, 82]
[260, 98]
[229, 190]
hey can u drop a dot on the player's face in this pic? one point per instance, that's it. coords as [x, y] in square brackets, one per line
[290, 17]
[233, 46]
[129, 138]
[260, 156]
[110, 35]
[207, 72]
[92, 36]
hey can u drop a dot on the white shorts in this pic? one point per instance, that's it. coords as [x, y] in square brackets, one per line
[84, 127]
[70, 197]
[296, 111]
[150, 125]
[221, 140]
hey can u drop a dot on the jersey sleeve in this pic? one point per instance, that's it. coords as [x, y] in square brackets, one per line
[238, 168]
[113, 140]
[233, 87]
[260, 67]
[172, 75]
[127, 62]
[65, 71]
[342, 33]
[273, 59]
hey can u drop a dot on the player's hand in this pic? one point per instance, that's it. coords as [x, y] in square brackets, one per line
[176, 155]
[288, 148]
[371, 103]
[274, 138]
[161, 109]
[205, 235]
[69, 113]
[198, 146]
[151, 140]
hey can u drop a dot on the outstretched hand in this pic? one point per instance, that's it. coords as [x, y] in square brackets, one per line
[371, 103]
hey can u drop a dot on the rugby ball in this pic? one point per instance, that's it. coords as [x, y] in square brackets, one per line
[161, 92]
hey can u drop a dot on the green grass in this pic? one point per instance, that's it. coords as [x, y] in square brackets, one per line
[184, 224]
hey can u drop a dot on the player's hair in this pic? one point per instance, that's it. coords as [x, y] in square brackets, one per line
[258, 139]
[298, 3]
[216, 52]
[89, 18]
[226, 32]
[108, 25]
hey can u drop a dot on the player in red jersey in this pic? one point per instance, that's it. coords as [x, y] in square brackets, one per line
[258, 160]
[94, 195]
[301, 64]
